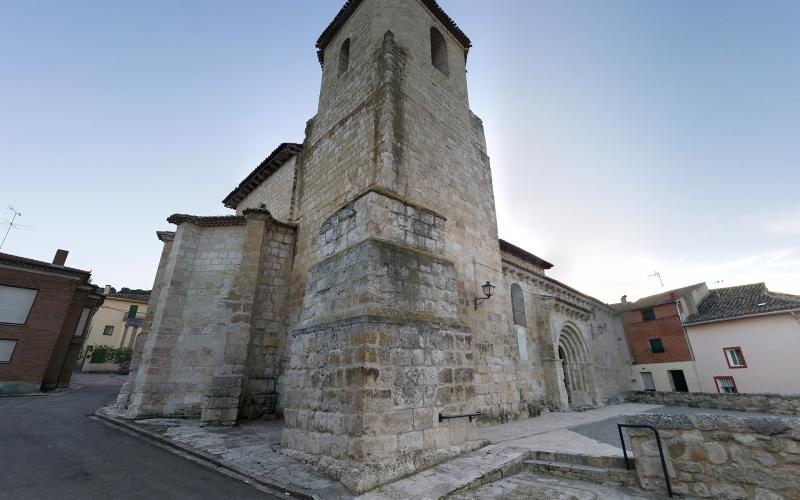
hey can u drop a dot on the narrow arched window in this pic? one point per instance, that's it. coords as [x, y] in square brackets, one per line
[344, 56]
[518, 305]
[439, 51]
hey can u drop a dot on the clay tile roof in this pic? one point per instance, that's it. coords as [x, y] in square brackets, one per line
[281, 155]
[214, 220]
[524, 255]
[133, 297]
[657, 299]
[15, 260]
[738, 301]
[351, 5]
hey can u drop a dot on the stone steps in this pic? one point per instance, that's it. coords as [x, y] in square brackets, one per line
[603, 470]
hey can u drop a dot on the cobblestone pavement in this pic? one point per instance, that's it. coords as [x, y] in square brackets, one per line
[529, 485]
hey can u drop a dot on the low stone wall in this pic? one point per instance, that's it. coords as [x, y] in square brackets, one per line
[714, 456]
[767, 403]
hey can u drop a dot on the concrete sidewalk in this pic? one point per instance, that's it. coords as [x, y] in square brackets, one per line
[252, 449]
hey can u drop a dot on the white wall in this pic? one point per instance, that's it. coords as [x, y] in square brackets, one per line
[771, 348]
[661, 376]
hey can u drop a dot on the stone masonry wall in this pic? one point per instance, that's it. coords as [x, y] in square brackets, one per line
[380, 353]
[370, 390]
[218, 320]
[198, 346]
[768, 403]
[124, 397]
[276, 192]
[269, 323]
[395, 121]
[711, 456]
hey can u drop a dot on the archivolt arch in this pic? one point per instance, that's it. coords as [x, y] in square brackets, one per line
[574, 356]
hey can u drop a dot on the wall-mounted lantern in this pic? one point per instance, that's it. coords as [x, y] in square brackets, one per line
[488, 290]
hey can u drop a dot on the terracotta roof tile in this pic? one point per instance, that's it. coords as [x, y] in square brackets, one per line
[738, 301]
[6, 258]
[133, 297]
[657, 299]
[524, 255]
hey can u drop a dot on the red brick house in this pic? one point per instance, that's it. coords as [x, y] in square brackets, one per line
[662, 355]
[45, 309]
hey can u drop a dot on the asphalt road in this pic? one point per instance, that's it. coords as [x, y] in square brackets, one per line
[50, 449]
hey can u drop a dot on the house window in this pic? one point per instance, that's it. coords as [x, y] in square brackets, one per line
[15, 304]
[132, 311]
[656, 345]
[518, 305]
[344, 56]
[7, 350]
[648, 314]
[725, 385]
[439, 51]
[108, 330]
[735, 357]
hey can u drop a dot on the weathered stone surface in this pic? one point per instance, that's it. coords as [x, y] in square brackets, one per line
[719, 456]
[778, 404]
[355, 314]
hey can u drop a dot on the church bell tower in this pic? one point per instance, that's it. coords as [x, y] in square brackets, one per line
[395, 208]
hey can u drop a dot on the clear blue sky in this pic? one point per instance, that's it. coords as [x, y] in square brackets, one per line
[625, 136]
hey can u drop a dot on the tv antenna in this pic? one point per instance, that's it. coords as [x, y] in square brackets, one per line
[12, 224]
[657, 274]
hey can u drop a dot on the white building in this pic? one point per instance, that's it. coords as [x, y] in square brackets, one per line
[745, 339]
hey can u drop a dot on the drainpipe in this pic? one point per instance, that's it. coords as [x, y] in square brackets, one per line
[689, 344]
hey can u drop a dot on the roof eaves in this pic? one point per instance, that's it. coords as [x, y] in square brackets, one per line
[350, 7]
[524, 254]
[283, 153]
[15, 260]
[690, 322]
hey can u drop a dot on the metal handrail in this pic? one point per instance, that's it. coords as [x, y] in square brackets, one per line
[660, 451]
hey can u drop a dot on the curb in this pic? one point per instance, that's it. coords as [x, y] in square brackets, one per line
[205, 459]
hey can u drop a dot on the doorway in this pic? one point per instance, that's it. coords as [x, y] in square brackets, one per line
[647, 381]
[678, 381]
[565, 370]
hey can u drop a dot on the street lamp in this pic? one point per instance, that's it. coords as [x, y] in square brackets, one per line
[487, 289]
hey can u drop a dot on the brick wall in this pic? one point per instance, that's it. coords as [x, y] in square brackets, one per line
[666, 326]
[43, 343]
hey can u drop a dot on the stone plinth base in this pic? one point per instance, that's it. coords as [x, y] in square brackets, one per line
[359, 477]
[221, 400]
[365, 394]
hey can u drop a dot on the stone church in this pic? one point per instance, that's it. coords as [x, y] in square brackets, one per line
[360, 290]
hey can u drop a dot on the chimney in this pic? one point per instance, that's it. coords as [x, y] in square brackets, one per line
[60, 257]
[624, 299]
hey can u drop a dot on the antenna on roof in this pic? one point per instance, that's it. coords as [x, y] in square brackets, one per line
[657, 274]
[11, 224]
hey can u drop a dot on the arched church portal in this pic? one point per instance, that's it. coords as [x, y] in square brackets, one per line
[574, 360]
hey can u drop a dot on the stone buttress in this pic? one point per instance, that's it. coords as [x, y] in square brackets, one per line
[216, 319]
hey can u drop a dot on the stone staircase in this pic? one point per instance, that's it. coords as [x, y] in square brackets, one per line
[603, 470]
